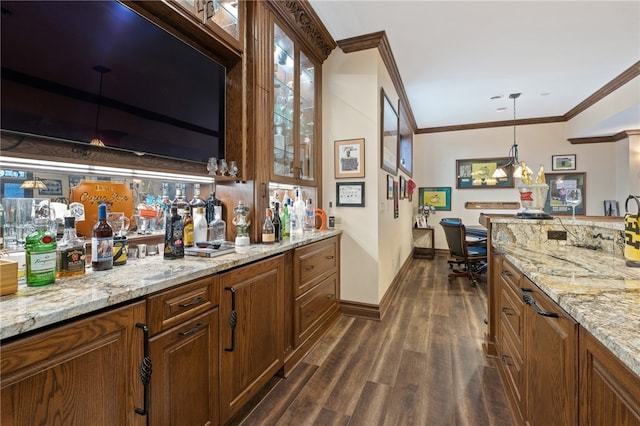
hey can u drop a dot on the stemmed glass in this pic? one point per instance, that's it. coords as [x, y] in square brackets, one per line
[574, 198]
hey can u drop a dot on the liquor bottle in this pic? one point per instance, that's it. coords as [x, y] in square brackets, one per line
[211, 202]
[286, 221]
[173, 235]
[40, 251]
[217, 231]
[180, 203]
[268, 231]
[277, 223]
[1, 226]
[309, 217]
[70, 253]
[197, 201]
[199, 225]
[331, 217]
[298, 216]
[187, 224]
[102, 242]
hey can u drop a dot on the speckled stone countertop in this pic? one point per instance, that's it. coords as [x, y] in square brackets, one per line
[35, 307]
[593, 286]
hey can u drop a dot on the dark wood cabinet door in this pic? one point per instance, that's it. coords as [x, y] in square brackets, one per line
[609, 390]
[81, 373]
[252, 350]
[551, 362]
[184, 384]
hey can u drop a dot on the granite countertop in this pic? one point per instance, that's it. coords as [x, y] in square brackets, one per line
[34, 307]
[594, 287]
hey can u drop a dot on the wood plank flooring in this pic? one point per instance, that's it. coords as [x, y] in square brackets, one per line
[423, 364]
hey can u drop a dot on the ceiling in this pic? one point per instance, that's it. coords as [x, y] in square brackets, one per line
[454, 56]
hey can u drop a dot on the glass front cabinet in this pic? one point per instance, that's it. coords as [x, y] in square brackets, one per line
[295, 112]
[225, 18]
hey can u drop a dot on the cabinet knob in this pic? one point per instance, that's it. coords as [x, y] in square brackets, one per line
[505, 360]
[310, 267]
[309, 313]
[506, 311]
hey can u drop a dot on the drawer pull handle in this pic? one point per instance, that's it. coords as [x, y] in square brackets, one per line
[505, 360]
[310, 313]
[145, 370]
[529, 300]
[507, 274]
[331, 296]
[193, 302]
[233, 319]
[330, 257]
[506, 311]
[310, 267]
[197, 327]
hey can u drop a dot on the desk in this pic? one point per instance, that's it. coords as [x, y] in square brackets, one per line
[423, 243]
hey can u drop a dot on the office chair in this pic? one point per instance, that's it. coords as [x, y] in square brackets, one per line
[470, 254]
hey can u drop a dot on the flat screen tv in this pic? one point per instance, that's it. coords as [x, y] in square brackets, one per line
[80, 70]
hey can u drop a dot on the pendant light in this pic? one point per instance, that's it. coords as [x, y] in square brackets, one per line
[514, 161]
[96, 141]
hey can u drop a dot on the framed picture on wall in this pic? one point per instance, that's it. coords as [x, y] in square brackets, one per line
[563, 162]
[437, 196]
[389, 187]
[559, 186]
[349, 158]
[479, 173]
[350, 194]
[388, 135]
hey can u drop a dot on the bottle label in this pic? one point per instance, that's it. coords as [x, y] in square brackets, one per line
[101, 249]
[188, 235]
[42, 262]
[72, 260]
[268, 238]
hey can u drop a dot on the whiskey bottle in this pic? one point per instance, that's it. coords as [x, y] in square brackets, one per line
[268, 232]
[40, 251]
[180, 203]
[187, 223]
[102, 242]
[70, 253]
[212, 202]
[197, 200]
[277, 223]
[217, 232]
[173, 236]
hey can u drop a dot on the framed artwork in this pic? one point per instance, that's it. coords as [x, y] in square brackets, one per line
[396, 210]
[439, 197]
[74, 180]
[563, 162]
[478, 173]
[389, 187]
[54, 187]
[559, 186]
[349, 158]
[405, 144]
[401, 187]
[350, 194]
[610, 208]
[388, 135]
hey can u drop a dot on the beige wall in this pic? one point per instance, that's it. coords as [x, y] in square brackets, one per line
[374, 244]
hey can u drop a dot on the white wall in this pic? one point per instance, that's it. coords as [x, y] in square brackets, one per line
[374, 244]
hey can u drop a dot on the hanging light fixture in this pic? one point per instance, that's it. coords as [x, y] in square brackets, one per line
[514, 161]
[34, 184]
[96, 141]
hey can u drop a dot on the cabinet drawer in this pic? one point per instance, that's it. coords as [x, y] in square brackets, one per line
[511, 275]
[314, 262]
[511, 365]
[312, 308]
[511, 314]
[171, 307]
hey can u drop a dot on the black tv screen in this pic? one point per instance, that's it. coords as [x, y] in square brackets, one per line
[158, 95]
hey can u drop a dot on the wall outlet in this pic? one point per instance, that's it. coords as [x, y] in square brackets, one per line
[557, 235]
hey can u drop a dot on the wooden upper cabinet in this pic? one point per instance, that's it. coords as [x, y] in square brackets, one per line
[224, 19]
[295, 87]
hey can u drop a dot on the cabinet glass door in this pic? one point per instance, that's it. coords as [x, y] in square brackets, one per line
[225, 15]
[307, 118]
[284, 104]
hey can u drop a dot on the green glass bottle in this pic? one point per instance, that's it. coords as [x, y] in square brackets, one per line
[40, 248]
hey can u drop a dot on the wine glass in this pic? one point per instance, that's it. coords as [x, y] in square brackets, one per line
[212, 165]
[223, 168]
[574, 198]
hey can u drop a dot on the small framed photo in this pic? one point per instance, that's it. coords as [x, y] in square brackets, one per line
[349, 158]
[563, 162]
[402, 187]
[350, 194]
[389, 187]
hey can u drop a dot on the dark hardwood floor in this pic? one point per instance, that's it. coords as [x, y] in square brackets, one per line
[423, 364]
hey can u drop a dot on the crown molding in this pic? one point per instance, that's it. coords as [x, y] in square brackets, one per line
[299, 15]
[379, 40]
[604, 139]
